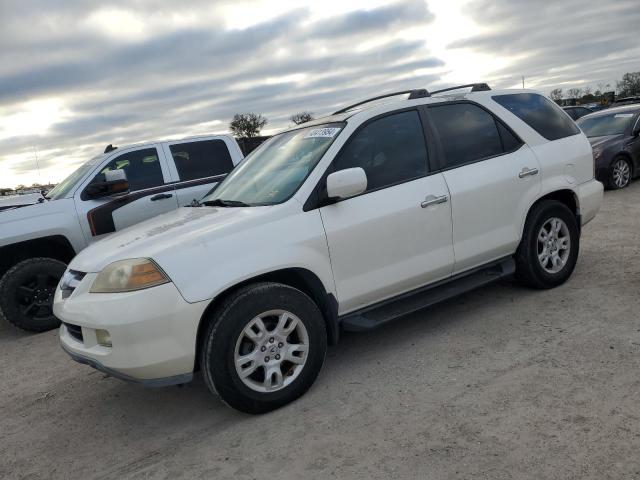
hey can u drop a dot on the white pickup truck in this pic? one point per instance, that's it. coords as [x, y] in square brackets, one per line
[114, 190]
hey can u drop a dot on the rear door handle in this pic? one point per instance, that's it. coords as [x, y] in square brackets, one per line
[161, 196]
[528, 172]
[433, 200]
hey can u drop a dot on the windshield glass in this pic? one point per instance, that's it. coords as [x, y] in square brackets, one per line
[612, 124]
[273, 172]
[63, 189]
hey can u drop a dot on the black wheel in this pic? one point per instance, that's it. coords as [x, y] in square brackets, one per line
[619, 173]
[549, 247]
[264, 347]
[26, 293]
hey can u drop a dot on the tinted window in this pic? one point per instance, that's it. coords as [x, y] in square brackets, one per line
[141, 166]
[540, 113]
[571, 112]
[390, 149]
[509, 141]
[467, 133]
[201, 159]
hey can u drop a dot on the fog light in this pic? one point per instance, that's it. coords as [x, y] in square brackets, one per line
[103, 338]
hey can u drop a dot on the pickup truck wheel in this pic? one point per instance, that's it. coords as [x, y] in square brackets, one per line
[549, 248]
[264, 347]
[26, 293]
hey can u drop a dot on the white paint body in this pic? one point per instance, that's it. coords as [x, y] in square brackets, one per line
[365, 249]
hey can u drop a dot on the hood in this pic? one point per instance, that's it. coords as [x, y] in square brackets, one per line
[15, 201]
[170, 231]
[603, 139]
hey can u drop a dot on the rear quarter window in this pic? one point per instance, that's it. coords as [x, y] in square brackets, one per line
[540, 113]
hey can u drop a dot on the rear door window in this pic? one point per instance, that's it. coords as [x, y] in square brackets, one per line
[469, 133]
[540, 113]
[201, 159]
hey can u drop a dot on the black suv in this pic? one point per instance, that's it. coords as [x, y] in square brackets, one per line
[615, 137]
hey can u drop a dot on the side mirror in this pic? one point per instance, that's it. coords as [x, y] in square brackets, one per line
[636, 132]
[115, 183]
[346, 183]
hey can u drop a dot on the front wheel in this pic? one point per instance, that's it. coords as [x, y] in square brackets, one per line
[548, 251]
[264, 347]
[26, 293]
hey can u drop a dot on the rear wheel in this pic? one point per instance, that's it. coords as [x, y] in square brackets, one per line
[264, 347]
[548, 251]
[620, 173]
[26, 293]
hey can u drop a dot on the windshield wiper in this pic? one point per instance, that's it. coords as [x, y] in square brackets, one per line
[218, 202]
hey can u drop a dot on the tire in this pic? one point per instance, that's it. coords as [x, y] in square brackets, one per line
[225, 340]
[26, 293]
[536, 265]
[620, 173]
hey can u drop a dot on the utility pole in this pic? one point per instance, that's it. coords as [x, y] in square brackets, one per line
[523, 82]
[35, 152]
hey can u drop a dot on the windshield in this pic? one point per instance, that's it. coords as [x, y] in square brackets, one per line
[63, 189]
[612, 124]
[273, 172]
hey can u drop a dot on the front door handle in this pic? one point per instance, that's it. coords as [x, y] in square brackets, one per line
[161, 196]
[433, 200]
[528, 172]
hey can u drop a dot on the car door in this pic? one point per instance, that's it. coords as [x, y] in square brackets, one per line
[197, 166]
[396, 236]
[151, 192]
[492, 176]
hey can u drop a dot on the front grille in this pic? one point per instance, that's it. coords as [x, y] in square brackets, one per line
[75, 331]
[70, 280]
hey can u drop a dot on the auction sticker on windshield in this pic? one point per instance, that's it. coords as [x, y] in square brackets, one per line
[328, 132]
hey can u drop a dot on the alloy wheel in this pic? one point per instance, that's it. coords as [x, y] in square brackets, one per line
[621, 173]
[271, 351]
[554, 245]
[35, 296]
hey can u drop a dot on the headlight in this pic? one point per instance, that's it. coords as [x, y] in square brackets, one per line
[129, 275]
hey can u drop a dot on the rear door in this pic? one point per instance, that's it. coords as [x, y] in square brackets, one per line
[198, 165]
[151, 192]
[492, 177]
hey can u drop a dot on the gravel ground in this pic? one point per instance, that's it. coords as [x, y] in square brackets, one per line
[503, 382]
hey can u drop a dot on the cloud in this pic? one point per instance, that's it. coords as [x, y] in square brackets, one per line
[549, 42]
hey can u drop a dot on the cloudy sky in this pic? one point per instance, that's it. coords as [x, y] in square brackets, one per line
[76, 75]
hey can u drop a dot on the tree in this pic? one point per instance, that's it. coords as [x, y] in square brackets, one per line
[301, 117]
[587, 91]
[574, 93]
[247, 125]
[556, 94]
[629, 85]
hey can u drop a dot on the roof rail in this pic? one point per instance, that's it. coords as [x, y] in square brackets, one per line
[475, 87]
[413, 94]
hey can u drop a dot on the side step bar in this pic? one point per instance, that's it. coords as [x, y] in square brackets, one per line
[384, 312]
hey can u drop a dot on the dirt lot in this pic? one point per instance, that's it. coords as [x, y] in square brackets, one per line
[504, 382]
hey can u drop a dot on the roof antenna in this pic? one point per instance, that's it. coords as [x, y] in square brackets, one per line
[110, 148]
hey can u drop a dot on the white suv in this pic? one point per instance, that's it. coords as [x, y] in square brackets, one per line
[344, 223]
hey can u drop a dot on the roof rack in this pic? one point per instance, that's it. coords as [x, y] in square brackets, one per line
[413, 94]
[475, 87]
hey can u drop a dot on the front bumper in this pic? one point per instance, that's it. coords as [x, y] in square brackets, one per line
[153, 332]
